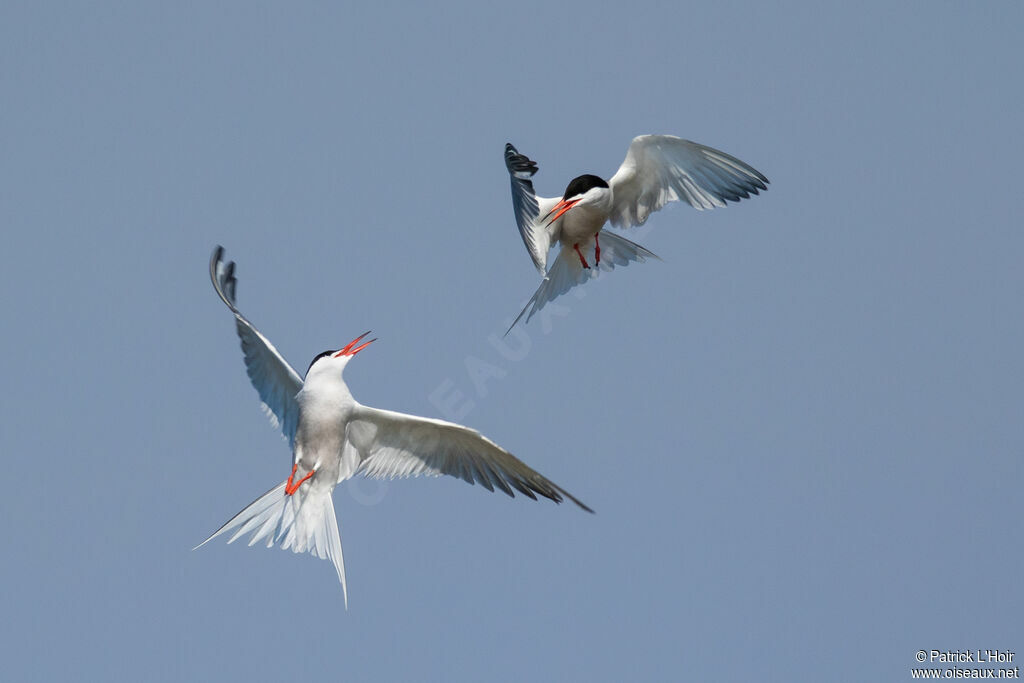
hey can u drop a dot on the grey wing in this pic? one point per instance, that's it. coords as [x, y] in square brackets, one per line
[275, 380]
[528, 206]
[662, 168]
[393, 444]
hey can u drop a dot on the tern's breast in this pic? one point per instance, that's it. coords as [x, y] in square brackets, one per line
[581, 223]
[324, 410]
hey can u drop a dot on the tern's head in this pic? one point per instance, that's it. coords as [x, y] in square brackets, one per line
[584, 190]
[337, 359]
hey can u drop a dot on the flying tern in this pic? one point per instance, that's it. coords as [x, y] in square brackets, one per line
[658, 169]
[333, 438]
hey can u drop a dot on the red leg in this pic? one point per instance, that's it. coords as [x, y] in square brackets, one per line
[580, 254]
[289, 487]
[597, 251]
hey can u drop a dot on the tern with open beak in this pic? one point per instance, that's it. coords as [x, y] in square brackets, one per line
[658, 169]
[334, 438]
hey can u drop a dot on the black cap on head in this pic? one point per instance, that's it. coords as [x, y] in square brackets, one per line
[580, 185]
[319, 356]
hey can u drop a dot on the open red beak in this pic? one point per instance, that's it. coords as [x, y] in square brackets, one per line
[351, 349]
[560, 208]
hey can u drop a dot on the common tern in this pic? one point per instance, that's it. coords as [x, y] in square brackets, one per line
[658, 169]
[333, 438]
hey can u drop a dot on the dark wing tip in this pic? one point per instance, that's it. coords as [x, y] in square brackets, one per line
[559, 492]
[223, 278]
[550, 490]
[578, 502]
[215, 258]
[519, 165]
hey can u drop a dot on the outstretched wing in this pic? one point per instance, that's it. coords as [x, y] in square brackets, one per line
[393, 444]
[662, 168]
[529, 208]
[275, 380]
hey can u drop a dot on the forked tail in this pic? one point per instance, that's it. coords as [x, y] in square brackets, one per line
[567, 271]
[303, 522]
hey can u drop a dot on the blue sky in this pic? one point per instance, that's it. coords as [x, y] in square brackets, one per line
[801, 432]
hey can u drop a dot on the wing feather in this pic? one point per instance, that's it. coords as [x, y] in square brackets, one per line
[274, 379]
[528, 207]
[659, 169]
[393, 444]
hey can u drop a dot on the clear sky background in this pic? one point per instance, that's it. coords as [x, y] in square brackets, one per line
[801, 432]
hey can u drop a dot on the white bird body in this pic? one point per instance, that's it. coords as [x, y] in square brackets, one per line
[334, 438]
[325, 406]
[586, 219]
[658, 169]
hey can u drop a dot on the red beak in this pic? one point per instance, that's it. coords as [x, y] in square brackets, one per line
[350, 351]
[560, 208]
